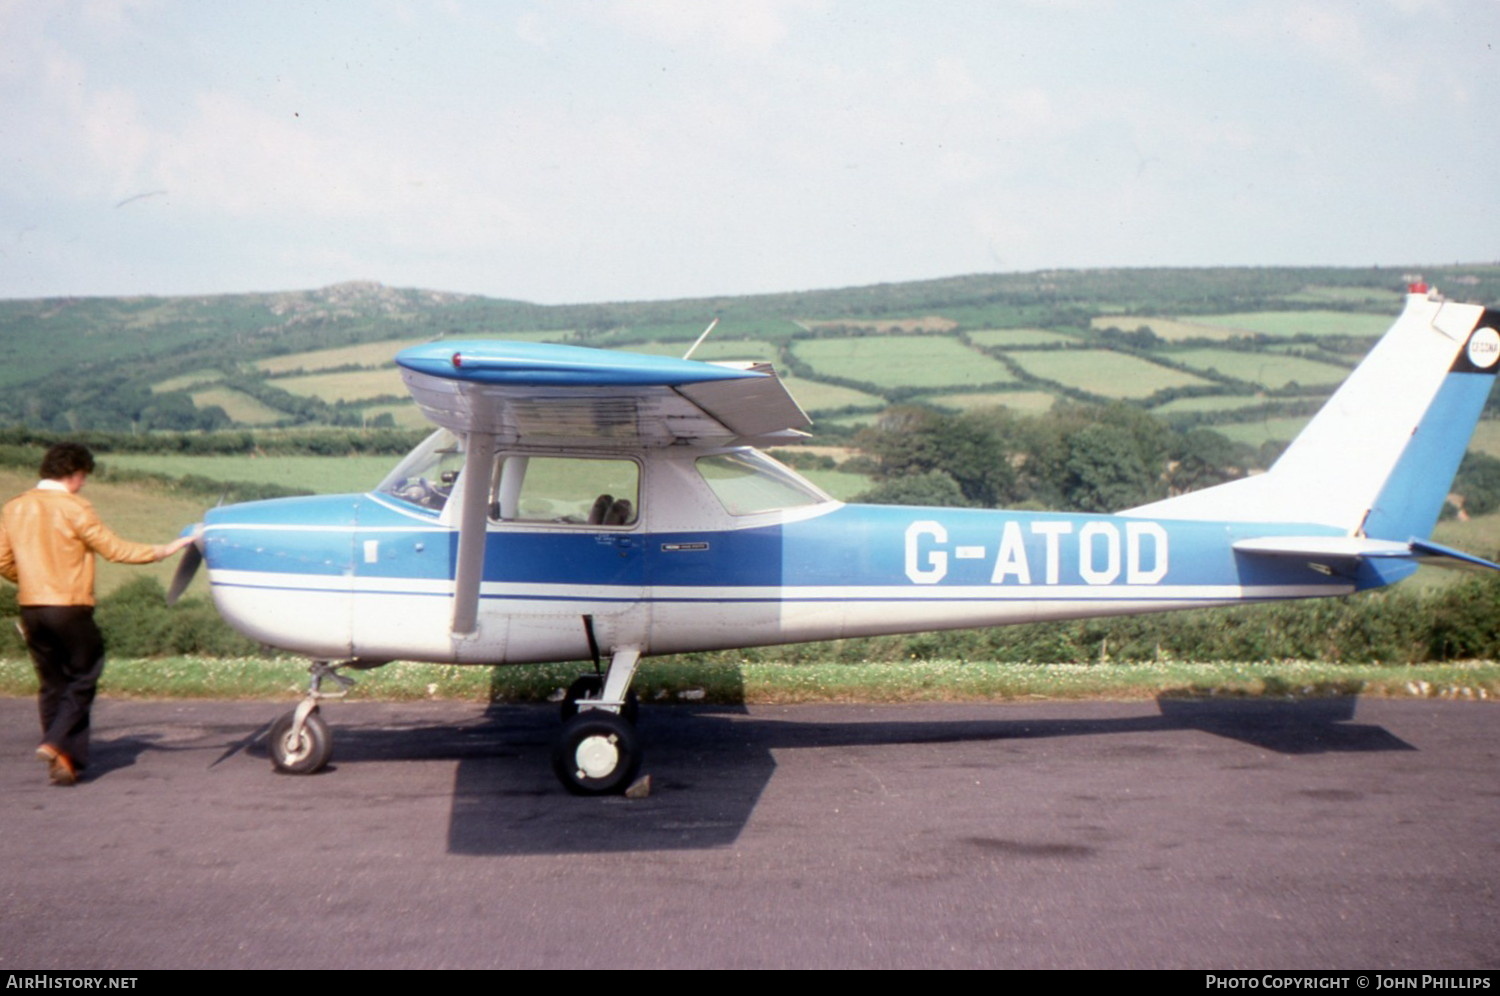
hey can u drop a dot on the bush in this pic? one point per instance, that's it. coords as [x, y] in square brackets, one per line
[137, 622]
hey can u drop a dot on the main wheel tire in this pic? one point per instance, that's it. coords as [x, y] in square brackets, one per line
[302, 755]
[590, 686]
[598, 753]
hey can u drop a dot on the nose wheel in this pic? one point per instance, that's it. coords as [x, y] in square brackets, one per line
[301, 751]
[300, 741]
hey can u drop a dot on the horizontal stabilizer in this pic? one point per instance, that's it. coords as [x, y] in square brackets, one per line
[1437, 555]
[1353, 548]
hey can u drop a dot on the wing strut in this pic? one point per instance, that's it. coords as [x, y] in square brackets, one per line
[473, 515]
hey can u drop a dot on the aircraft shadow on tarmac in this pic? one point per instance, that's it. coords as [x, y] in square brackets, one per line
[710, 764]
[116, 753]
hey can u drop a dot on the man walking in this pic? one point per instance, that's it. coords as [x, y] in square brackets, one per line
[48, 539]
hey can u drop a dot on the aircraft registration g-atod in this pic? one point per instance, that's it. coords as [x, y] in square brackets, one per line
[579, 503]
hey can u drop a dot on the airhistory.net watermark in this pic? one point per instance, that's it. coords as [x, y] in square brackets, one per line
[58, 980]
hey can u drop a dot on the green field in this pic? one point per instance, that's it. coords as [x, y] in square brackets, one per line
[1282, 429]
[815, 396]
[407, 415]
[1314, 351]
[1025, 402]
[1007, 338]
[369, 354]
[186, 380]
[376, 354]
[1479, 535]
[850, 421]
[238, 405]
[1213, 403]
[352, 385]
[1350, 295]
[323, 475]
[711, 349]
[1104, 372]
[838, 483]
[1486, 437]
[902, 361]
[1269, 370]
[1290, 323]
[888, 325]
[1170, 329]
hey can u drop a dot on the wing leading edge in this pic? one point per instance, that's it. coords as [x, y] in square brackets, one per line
[526, 393]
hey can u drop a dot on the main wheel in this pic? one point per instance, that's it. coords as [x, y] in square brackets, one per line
[597, 753]
[591, 686]
[302, 755]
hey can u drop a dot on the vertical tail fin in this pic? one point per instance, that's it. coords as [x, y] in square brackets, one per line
[1378, 459]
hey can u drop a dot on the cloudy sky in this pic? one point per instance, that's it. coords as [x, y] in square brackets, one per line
[607, 149]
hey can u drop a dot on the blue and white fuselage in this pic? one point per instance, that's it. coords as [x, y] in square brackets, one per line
[371, 577]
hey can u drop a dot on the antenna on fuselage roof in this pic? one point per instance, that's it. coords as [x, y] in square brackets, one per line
[699, 341]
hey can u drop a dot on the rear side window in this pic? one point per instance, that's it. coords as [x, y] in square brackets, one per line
[748, 481]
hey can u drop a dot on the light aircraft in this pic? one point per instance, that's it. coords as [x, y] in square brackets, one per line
[578, 503]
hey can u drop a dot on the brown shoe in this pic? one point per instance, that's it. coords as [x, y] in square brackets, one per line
[59, 766]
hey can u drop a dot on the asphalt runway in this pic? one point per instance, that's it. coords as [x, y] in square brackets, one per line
[1328, 833]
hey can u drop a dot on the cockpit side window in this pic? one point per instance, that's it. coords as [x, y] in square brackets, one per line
[747, 481]
[584, 491]
[427, 475]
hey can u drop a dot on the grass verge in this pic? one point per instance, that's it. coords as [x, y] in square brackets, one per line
[695, 680]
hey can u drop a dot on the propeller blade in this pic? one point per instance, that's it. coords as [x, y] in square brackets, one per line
[187, 567]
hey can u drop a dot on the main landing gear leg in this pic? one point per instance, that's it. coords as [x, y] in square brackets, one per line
[300, 740]
[598, 751]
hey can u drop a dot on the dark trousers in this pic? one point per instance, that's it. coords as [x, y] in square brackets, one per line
[68, 652]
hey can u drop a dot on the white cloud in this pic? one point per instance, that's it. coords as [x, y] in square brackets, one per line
[745, 26]
[1400, 50]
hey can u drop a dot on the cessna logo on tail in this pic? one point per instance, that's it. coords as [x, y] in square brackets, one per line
[1484, 348]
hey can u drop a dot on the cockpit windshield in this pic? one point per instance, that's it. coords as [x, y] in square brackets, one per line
[427, 474]
[747, 481]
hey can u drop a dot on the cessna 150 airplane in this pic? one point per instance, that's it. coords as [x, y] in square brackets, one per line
[575, 503]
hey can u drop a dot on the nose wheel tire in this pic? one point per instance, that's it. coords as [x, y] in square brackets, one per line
[300, 755]
[598, 753]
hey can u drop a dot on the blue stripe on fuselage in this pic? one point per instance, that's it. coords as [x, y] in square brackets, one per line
[925, 550]
[943, 547]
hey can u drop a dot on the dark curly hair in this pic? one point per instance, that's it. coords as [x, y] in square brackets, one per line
[65, 460]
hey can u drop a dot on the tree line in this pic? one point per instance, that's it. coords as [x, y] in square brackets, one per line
[1077, 457]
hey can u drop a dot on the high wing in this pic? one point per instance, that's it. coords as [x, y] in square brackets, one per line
[526, 393]
[531, 394]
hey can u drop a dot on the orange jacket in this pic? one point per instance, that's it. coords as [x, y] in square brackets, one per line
[48, 539]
